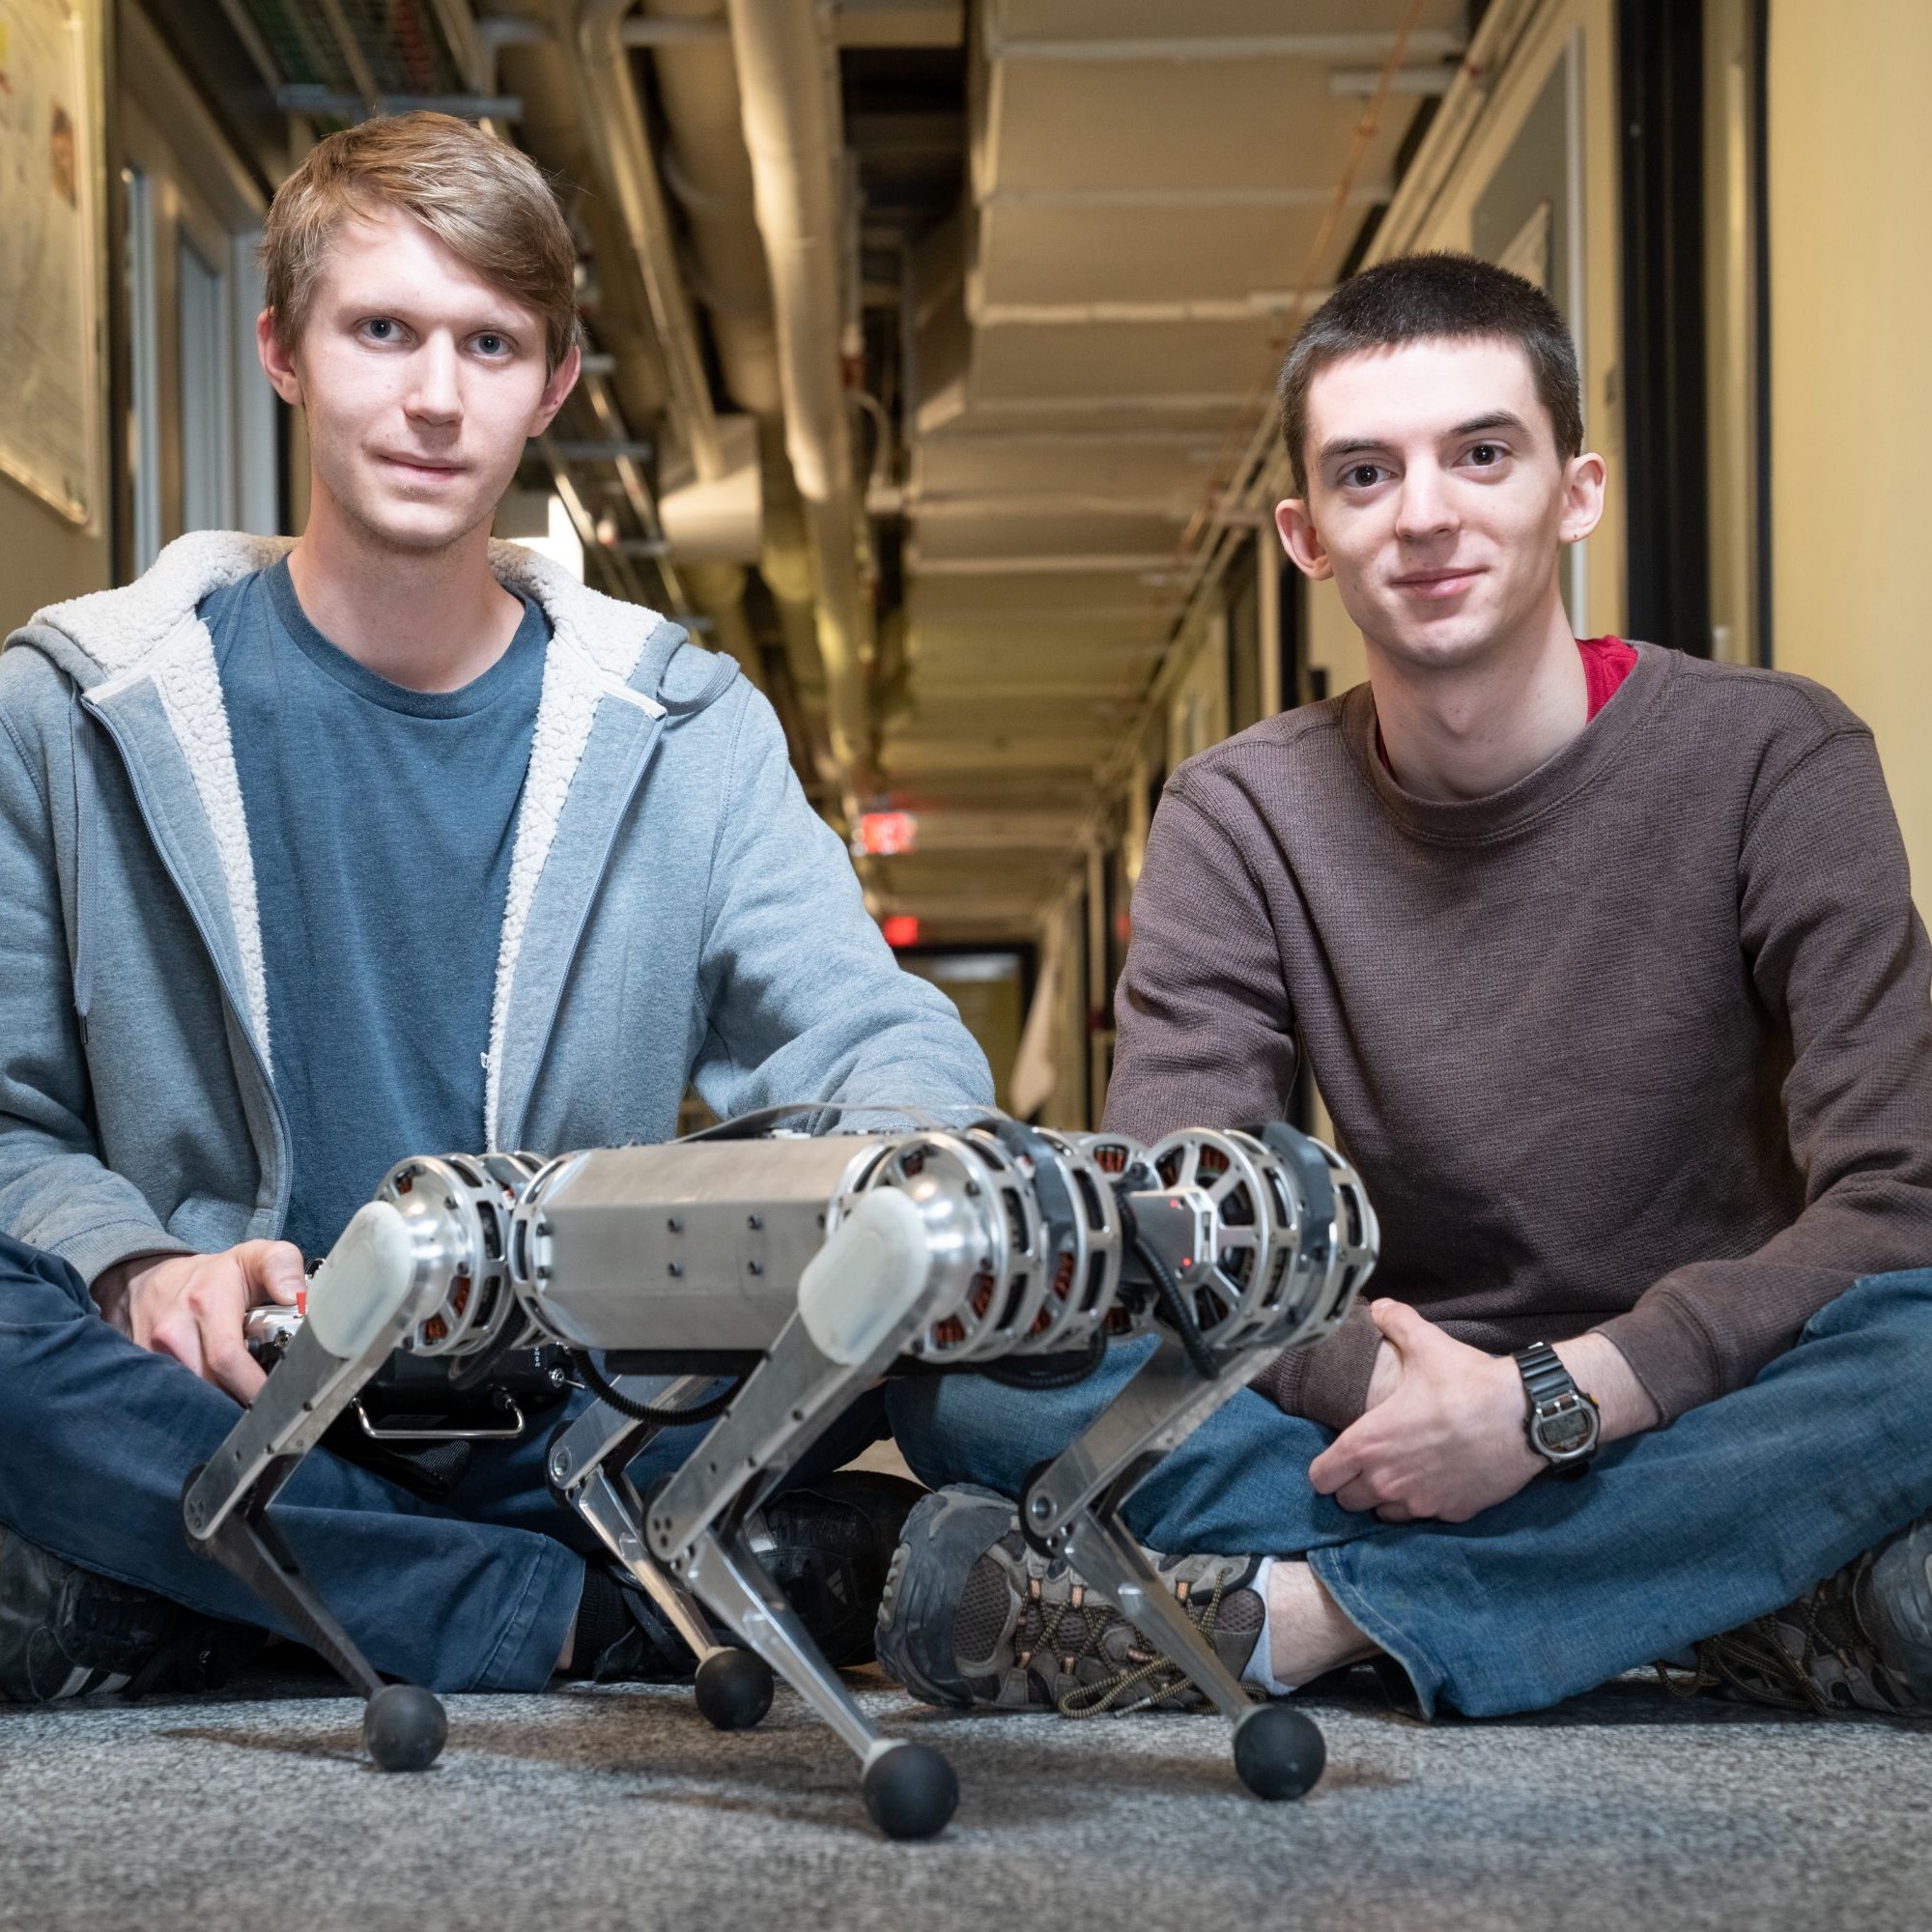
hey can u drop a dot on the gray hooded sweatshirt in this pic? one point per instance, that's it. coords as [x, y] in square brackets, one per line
[676, 913]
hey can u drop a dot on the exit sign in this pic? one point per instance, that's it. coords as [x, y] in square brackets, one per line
[885, 835]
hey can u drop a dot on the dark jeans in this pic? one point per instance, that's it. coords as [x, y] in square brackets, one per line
[475, 1593]
[1734, 1510]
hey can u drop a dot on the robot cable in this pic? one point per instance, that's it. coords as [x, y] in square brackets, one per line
[1024, 1375]
[1174, 1304]
[607, 1391]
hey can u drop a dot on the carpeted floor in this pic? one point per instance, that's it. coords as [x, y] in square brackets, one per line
[605, 1808]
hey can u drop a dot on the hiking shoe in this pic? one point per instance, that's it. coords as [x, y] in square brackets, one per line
[827, 1544]
[973, 1614]
[68, 1632]
[1860, 1640]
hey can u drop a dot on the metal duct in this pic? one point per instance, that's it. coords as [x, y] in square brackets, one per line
[614, 120]
[790, 133]
[709, 174]
[591, 127]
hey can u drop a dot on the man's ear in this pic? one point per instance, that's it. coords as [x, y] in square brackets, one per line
[562, 379]
[1583, 479]
[1301, 540]
[277, 362]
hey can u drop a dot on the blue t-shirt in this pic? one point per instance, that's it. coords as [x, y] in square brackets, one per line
[381, 821]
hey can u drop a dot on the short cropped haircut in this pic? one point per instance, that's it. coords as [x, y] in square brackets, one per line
[481, 198]
[1441, 298]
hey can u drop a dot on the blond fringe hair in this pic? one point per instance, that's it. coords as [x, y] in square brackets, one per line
[481, 198]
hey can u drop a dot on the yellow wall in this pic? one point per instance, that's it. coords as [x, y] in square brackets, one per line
[1851, 288]
[43, 557]
[1334, 645]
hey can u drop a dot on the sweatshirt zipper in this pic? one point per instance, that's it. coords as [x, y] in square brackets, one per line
[514, 1139]
[234, 1005]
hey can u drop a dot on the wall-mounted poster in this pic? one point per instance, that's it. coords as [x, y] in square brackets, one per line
[49, 301]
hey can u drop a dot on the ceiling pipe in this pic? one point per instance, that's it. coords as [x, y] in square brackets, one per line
[790, 131]
[613, 117]
[709, 174]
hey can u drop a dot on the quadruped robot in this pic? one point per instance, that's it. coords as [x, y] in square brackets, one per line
[760, 1278]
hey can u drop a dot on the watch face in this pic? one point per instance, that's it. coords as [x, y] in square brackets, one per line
[1567, 1431]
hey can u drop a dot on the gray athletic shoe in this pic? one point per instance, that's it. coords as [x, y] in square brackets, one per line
[1860, 1640]
[973, 1615]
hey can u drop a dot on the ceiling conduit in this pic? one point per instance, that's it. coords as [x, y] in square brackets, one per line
[613, 120]
[789, 131]
[709, 174]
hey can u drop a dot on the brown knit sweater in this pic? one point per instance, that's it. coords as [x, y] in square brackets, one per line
[1641, 1043]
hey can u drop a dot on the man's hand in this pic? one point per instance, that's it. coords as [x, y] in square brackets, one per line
[1444, 1434]
[1446, 1439]
[192, 1307]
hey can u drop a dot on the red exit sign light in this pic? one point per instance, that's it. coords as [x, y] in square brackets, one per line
[885, 835]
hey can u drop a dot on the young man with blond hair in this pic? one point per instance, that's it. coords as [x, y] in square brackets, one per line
[1607, 963]
[387, 841]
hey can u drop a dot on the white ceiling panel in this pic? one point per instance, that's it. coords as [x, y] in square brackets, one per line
[1153, 19]
[1045, 533]
[1120, 358]
[1042, 251]
[1016, 464]
[1167, 126]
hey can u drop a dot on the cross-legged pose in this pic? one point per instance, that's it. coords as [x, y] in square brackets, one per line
[387, 842]
[1605, 962]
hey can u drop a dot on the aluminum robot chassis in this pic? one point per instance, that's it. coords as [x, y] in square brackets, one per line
[765, 1278]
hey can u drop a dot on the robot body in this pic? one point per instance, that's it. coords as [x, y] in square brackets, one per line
[809, 1267]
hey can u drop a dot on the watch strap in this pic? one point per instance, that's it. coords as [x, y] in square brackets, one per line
[1543, 1372]
[1546, 1382]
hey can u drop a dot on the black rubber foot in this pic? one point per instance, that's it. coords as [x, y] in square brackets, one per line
[1278, 1753]
[734, 1689]
[910, 1791]
[404, 1727]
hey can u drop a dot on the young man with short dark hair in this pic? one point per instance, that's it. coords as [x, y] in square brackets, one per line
[1605, 961]
[387, 842]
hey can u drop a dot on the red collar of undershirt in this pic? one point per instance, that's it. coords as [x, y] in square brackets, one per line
[1607, 662]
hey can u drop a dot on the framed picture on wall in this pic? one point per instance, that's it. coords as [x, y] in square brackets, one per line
[49, 280]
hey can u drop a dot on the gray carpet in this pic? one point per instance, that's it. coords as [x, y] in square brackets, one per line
[599, 1808]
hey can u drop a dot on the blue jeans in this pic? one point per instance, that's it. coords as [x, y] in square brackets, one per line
[1735, 1509]
[475, 1593]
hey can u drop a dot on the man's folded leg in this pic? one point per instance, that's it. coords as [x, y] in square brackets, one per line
[102, 1434]
[1732, 1512]
[478, 1592]
[1238, 1485]
[971, 1615]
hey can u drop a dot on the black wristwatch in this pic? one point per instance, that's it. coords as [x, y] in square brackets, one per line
[1562, 1424]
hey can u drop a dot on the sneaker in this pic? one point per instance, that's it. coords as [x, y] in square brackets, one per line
[825, 1544]
[1860, 1640]
[622, 1637]
[68, 1632]
[973, 1614]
